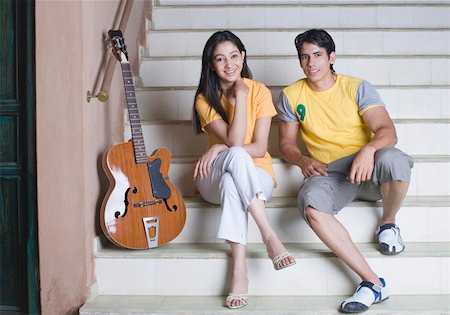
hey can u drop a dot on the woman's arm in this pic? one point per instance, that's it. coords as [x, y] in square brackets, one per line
[258, 147]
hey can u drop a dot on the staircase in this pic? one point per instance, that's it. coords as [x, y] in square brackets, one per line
[403, 49]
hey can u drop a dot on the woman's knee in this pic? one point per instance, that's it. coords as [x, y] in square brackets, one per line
[238, 153]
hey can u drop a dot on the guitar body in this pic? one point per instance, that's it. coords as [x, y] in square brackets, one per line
[142, 209]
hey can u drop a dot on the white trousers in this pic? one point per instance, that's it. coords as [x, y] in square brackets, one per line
[233, 183]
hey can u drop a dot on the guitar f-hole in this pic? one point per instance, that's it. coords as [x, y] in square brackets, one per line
[168, 207]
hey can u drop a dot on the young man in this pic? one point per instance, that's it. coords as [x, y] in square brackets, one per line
[350, 140]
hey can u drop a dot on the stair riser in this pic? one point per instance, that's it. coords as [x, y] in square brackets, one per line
[312, 276]
[414, 139]
[418, 224]
[427, 179]
[301, 16]
[273, 43]
[284, 71]
[422, 103]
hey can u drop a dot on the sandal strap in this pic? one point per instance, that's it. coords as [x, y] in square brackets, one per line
[280, 257]
[242, 298]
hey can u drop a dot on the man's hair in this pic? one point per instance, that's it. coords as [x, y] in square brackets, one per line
[317, 37]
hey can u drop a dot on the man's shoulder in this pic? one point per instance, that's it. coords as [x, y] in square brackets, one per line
[295, 87]
[347, 80]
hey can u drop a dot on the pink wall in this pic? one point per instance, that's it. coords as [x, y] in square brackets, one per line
[72, 135]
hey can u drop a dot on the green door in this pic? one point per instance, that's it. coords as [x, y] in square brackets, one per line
[18, 228]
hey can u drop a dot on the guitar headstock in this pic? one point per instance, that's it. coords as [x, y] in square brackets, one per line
[119, 49]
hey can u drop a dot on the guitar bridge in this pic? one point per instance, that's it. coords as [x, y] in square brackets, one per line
[151, 226]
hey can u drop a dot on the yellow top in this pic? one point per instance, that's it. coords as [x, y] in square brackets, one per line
[259, 105]
[331, 122]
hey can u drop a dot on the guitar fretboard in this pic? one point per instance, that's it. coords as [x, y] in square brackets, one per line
[133, 115]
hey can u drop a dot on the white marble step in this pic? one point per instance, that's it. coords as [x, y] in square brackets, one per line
[203, 269]
[280, 42]
[419, 102]
[290, 2]
[416, 137]
[262, 305]
[378, 70]
[430, 176]
[298, 15]
[421, 219]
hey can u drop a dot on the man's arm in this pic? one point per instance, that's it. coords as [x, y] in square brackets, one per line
[379, 122]
[291, 152]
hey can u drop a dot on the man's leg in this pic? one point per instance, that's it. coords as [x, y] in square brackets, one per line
[393, 172]
[393, 194]
[337, 239]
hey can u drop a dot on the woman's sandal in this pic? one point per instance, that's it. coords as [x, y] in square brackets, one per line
[277, 261]
[241, 298]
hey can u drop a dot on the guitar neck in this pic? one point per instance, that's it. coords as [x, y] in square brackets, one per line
[133, 114]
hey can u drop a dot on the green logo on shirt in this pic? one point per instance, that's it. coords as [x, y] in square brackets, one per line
[301, 111]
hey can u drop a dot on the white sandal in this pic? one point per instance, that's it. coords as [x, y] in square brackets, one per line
[241, 298]
[277, 261]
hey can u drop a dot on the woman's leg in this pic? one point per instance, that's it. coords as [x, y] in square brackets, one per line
[242, 187]
[257, 210]
[239, 279]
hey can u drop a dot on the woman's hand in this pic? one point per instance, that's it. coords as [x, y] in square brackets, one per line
[240, 89]
[204, 163]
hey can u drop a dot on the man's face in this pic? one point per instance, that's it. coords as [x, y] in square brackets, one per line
[315, 62]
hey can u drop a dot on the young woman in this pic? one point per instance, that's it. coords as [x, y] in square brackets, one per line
[236, 169]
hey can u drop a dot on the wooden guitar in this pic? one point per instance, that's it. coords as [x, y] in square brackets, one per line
[142, 208]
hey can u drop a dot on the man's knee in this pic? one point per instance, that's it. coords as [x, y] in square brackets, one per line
[392, 164]
[392, 156]
[312, 215]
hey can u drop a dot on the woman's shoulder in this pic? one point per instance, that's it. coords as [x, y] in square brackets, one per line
[255, 85]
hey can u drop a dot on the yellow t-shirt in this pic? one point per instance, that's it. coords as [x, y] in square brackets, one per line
[331, 122]
[259, 105]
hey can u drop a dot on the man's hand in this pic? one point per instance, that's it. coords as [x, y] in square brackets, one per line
[311, 167]
[362, 166]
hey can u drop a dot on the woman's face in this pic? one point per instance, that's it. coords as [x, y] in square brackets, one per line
[227, 62]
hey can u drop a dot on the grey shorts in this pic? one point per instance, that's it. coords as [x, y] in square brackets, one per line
[333, 192]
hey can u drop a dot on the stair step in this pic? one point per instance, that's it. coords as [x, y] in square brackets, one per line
[178, 136]
[303, 15]
[174, 269]
[273, 70]
[402, 102]
[422, 219]
[429, 177]
[280, 42]
[261, 305]
[175, 3]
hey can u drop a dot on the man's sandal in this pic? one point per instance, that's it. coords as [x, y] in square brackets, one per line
[366, 294]
[241, 298]
[277, 261]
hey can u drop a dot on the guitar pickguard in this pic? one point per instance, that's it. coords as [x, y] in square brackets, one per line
[159, 186]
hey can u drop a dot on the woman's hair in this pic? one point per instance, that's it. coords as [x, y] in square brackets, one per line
[317, 37]
[209, 83]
